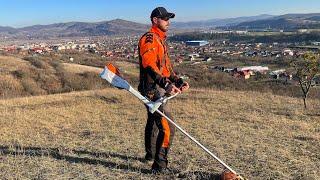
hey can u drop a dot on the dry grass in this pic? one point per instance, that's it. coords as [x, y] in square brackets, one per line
[9, 63]
[38, 75]
[99, 135]
[78, 68]
[10, 87]
[129, 68]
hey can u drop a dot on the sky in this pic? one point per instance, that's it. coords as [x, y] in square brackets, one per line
[21, 13]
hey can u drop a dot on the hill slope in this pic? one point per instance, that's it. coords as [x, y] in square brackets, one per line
[286, 22]
[99, 134]
[76, 29]
[219, 22]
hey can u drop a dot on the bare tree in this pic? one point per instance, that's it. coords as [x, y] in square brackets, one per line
[306, 70]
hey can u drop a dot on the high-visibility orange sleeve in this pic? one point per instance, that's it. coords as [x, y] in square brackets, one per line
[149, 53]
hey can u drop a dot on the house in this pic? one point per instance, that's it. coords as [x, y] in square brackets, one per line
[316, 81]
[196, 43]
[242, 74]
[241, 32]
[276, 54]
[193, 56]
[37, 50]
[228, 70]
[315, 43]
[275, 74]
[10, 48]
[61, 48]
[178, 60]
[287, 52]
[207, 59]
[226, 52]
[260, 69]
[303, 30]
[280, 74]
[252, 53]
[195, 63]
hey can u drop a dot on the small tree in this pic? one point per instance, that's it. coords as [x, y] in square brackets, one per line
[306, 69]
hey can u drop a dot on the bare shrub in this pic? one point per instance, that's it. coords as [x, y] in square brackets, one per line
[10, 87]
[31, 87]
[55, 64]
[3, 53]
[83, 81]
[37, 62]
[20, 73]
[91, 80]
[47, 81]
[89, 59]
[71, 82]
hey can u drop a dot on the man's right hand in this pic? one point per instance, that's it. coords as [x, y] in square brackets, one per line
[172, 89]
[185, 86]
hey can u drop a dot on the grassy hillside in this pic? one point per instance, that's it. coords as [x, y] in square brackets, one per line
[99, 135]
[30, 76]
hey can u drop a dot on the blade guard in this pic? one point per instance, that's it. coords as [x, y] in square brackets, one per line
[112, 75]
[228, 175]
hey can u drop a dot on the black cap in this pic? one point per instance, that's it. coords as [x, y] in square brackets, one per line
[161, 12]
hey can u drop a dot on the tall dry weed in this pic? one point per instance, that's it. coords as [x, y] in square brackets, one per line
[10, 87]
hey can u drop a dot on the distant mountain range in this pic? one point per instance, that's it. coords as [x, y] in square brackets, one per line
[285, 22]
[123, 27]
[218, 22]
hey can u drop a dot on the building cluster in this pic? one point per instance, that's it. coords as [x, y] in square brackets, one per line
[42, 48]
[117, 47]
[261, 50]
[249, 71]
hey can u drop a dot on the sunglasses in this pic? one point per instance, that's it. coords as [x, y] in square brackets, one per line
[164, 18]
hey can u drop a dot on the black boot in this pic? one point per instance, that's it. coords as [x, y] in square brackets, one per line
[161, 170]
[160, 163]
[148, 157]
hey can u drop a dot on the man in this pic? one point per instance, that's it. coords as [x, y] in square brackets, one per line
[158, 79]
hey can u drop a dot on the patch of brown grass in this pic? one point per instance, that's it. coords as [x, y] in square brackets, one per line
[77, 68]
[31, 87]
[9, 63]
[41, 75]
[10, 87]
[99, 134]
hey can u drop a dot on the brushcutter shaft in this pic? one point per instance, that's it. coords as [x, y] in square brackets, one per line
[139, 96]
[197, 142]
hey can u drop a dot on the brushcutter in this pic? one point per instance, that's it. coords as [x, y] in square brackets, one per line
[112, 75]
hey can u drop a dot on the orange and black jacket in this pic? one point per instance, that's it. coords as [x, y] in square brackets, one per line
[155, 65]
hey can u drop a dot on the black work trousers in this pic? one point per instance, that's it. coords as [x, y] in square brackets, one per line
[159, 133]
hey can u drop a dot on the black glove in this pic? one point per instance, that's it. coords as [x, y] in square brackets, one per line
[179, 83]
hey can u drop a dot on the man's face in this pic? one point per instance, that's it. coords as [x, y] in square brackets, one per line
[162, 23]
